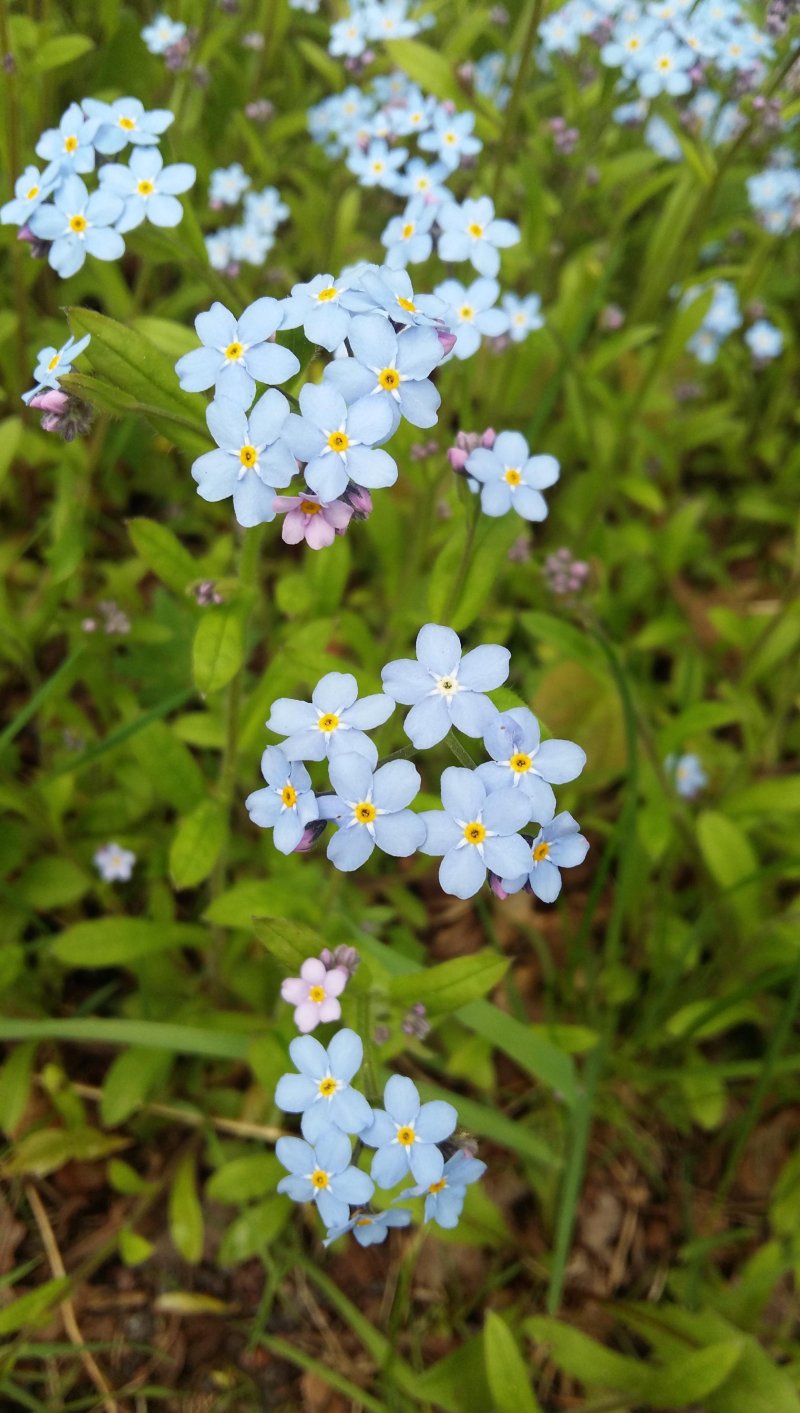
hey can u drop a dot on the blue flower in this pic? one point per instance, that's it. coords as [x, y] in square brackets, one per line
[334, 722]
[252, 460]
[148, 188]
[227, 184]
[52, 363]
[235, 353]
[337, 442]
[391, 369]
[370, 1228]
[371, 809]
[422, 179]
[471, 313]
[377, 288]
[162, 33]
[471, 232]
[512, 479]
[317, 306]
[522, 761]
[124, 121]
[406, 1133]
[323, 1174]
[523, 315]
[476, 831]
[321, 1092]
[443, 688]
[265, 209]
[451, 138]
[79, 225]
[688, 774]
[250, 243]
[407, 237]
[378, 166]
[70, 145]
[662, 66]
[288, 804]
[764, 340]
[558, 844]
[444, 1199]
[30, 190]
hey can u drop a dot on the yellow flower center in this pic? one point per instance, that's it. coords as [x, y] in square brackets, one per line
[475, 832]
[328, 1086]
[328, 722]
[289, 797]
[144, 187]
[34, 191]
[128, 124]
[316, 994]
[408, 230]
[78, 224]
[475, 230]
[512, 476]
[467, 312]
[665, 63]
[450, 138]
[540, 851]
[326, 294]
[364, 1222]
[338, 441]
[406, 1136]
[389, 379]
[70, 144]
[53, 363]
[234, 351]
[319, 1179]
[447, 685]
[377, 168]
[438, 1186]
[633, 42]
[407, 304]
[365, 812]
[520, 763]
[310, 507]
[248, 455]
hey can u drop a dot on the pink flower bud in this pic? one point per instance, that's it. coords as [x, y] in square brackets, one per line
[51, 400]
[447, 340]
[489, 437]
[457, 458]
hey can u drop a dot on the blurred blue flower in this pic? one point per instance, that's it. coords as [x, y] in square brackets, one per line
[558, 845]
[444, 1199]
[451, 138]
[321, 1091]
[523, 315]
[522, 761]
[253, 459]
[288, 803]
[236, 353]
[30, 190]
[124, 121]
[405, 1134]
[370, 1228]
[764, 340]
[323, 1174]
[338, 443]
[162, 33]
[407, 237]
[443, 688]
[421, 178]
[265, 208]
[475, 831]
[79, 225]
[688, 774]
[512, 479]
[148, 188]
[227, 184]
[71, 144]
[471, 232]
[391, 369]
[250, 243]
[378, 166]
[333, 723]
[371, 809]
[471, 313]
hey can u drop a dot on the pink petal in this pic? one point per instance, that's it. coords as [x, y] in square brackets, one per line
[338, 514]
[283, 503]
[313, 971]
[308, 1016]
[335, 981]
[294, 990]
[329, 1009]
[294, 528]
[319, 533]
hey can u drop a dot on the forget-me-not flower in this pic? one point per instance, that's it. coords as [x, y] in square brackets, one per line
[688, 774]
[408, 237]
[265, 208]
[114, 864]
[236, 353]
[315, 993]
[523, 315]
[471, 313]
[125, 120]
[391, 369]
[287, 804]
[227, 184]
[317, 306]
[162, 33]
[53, 363]
[79, 225]
[337, 442]
[512, 479]
[252, 458]
[148, 188]
[30, 190]
[405, 1134]
[470, 231]
[71, 144]
[764, 340]
[522, 761]
[370, 1228]
[377, 288]
[321, 1092]
[559, 844]
[475, 831]
[370, 809]
[323, 1174]
[443, 688]
[335, 721]
[379, 165]
[451, 137]
[444, 1199]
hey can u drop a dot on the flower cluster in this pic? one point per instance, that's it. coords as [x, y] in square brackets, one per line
[485, 811]
[721, 318]
[369, 22]
[406, 1136]
[774, 195]
[56, 211]
[251, 239]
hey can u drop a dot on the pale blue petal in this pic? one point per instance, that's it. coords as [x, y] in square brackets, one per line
[304, 438]
[511, 449]
[332, 1210]
[350, 1111]
[545, 881]
[370, 711]
[260, 320]
[103, 243]
[463, 793]
[426, 1163]
[351, 776]
[373, 340]
[419, 403]
[197, 370]
[235, 383]
[484, 668]
[272, 363]
[569, 851]
[370, 420]
[461, 872]
[288, 832]
[471, 713]
[374, 469]
[267, 417]
[215, 473]
[164, 210]
[216, 326]
[227, 423]
[349, 378]
[326, 476]
[505, 812]
[380, 1131]
[346, 1053]
[334, 1151]
[541, 797]
[441, 832]
[288, 714]
[438, 649]
[294, 1093]
[350, 848]
[295, 1155]
[428, 722]
[353, 1186]
[559, 761]
[507, 856]
[436, 1121]
[395, 785]
[389, 1165]
[335, 691]
[399, 834]
[309, 1056]
[530, 504]
[406, 681]
[401, 1099]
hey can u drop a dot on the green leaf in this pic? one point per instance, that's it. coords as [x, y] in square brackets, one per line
[48, 1149]
[253, 1231]
[52, 883]
[134, 1249]
[35, 1306]
[185, 1212]
[132, 1077]
[218, 650]
[117, 941]
[728, 854]
[242, 1179]
[458, 1382]
[197, 845]
[63, 49]
[693, 1376]
[15, 1085]
[491, 1123]
[451, 984]
[162, 552]
[506, 1374]
[290, 943]
[585, 1359]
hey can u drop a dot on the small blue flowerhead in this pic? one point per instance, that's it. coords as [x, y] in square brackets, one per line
[370, 809]
[253, 459]
[390, 369]
[688, 774]
[30, 190]
[444, 1199]
[475, 831]
[323, 1174]
[79, 225]
[338, 442]
[524, 315]
[71, 144]
[162, 34]
[376, 288]
[235, 354]
[443, 688]
[407, 238]
[333, 723]
[512, 479]
[125, 121]
[321, 1091]
[471, 312]
[288, 803]
[471, 232]
[558, 845]
[370, 1228]
[522, 761]
[405, 1134]
[227, 184]
[148, 188]
[317, 305]
[54, 363]
[451, 138]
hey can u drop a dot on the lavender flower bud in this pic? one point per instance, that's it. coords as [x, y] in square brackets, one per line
[311, 834]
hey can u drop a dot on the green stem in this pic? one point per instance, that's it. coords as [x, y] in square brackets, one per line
[363, 1012]
[526, 54]
[15, 167]
[454, 598]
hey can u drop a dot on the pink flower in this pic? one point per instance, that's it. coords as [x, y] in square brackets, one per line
[310, 519]
[313, 994]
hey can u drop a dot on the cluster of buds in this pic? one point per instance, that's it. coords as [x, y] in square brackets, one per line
[416, 1022]
[114, 620]
[176, 57]
[63, 413]
[206, 593]
[565, 139]
[466, 443]
[611, 318]
[260, 110]
[563, 573]
[779, 14]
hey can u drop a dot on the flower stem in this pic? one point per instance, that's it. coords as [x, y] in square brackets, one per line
[454, 598]
[512, 111]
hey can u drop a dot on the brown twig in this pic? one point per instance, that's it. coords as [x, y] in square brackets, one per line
[237, 1128]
